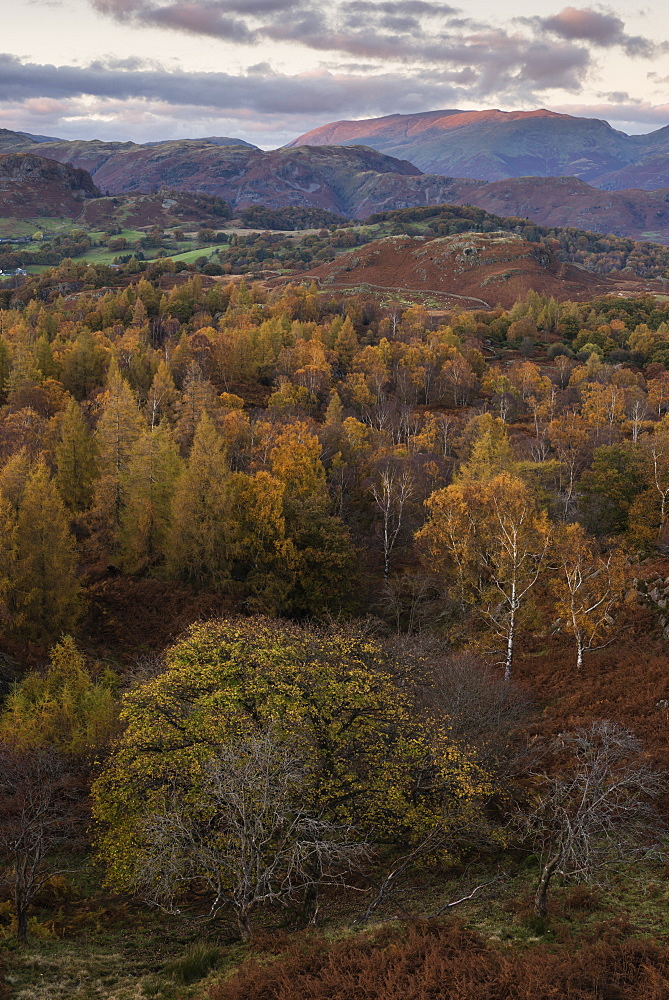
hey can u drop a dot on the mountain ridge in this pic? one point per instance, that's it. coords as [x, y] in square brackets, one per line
[493, 145]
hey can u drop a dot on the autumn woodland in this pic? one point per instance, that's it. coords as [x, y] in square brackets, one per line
[333, 655]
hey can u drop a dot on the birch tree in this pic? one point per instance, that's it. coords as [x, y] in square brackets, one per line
[392, 489]
[588, 587]
[492, 539]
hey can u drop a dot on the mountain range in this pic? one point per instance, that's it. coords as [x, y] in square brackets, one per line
[554, 169]
[493, 145]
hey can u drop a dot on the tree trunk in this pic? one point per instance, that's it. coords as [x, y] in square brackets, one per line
[22, 923]
[244, 924]
[541, 895]
[510, 637]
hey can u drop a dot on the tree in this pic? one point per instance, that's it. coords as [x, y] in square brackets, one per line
[62, 707]
[346, 345]
[248, 839]
[75, 459]
[610, 486]
[392, 488]
[588, 587]
[118, 429]
[333, 697]
[199, 513]
[325, 564]
[153, 468]
[198, 398]
[491, 539]
[161, 401]
[46, 588]
[262, 558]
[594, 808]
[568, 435]
[37, 816]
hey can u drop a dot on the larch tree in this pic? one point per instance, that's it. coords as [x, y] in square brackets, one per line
[47, 593]
[75, 459]
[119, 427]
[325, 562]
[197, 540]
[153, 468]
[13, 477]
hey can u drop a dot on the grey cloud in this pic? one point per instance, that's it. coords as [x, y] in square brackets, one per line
[602, 29]
[261, 92]
[199, 19]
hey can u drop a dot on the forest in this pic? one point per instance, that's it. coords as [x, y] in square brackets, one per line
[333, 652]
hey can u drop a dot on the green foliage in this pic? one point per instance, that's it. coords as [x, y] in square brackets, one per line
[63, 707]
[610, 488]
[46, 591]
[334, 696]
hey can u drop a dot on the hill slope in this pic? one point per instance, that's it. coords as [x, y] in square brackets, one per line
[31, 186]
[471, 269]
[493, 145]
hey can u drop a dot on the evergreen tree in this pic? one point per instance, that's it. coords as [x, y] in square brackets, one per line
[75, 459]
[46, 587]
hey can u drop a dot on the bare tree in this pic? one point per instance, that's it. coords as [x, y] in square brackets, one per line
[246, 839]
[481, 709]
[38, 815]
[595, 810]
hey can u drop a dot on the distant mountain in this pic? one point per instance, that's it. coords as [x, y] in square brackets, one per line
[567, 201]
[352, 181]
[347, 181]
[213, 140]
[494, 145]
[33, 187]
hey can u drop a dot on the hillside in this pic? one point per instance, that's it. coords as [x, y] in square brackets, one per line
[353, 181]
[32, 186]
[568, 201]
[346, 181]
[471, 269]
[493, 145]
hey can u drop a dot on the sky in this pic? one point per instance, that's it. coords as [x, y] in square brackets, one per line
[268, 70]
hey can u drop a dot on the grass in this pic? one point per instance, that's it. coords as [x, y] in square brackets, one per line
[194, 965]
[87, 944]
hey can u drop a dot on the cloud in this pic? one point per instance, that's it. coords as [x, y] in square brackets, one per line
[602, 29]
[621, 109]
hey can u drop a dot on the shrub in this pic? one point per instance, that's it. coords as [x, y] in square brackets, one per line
[447, 961]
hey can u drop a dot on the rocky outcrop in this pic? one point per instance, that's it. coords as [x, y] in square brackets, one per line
[32, 186]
